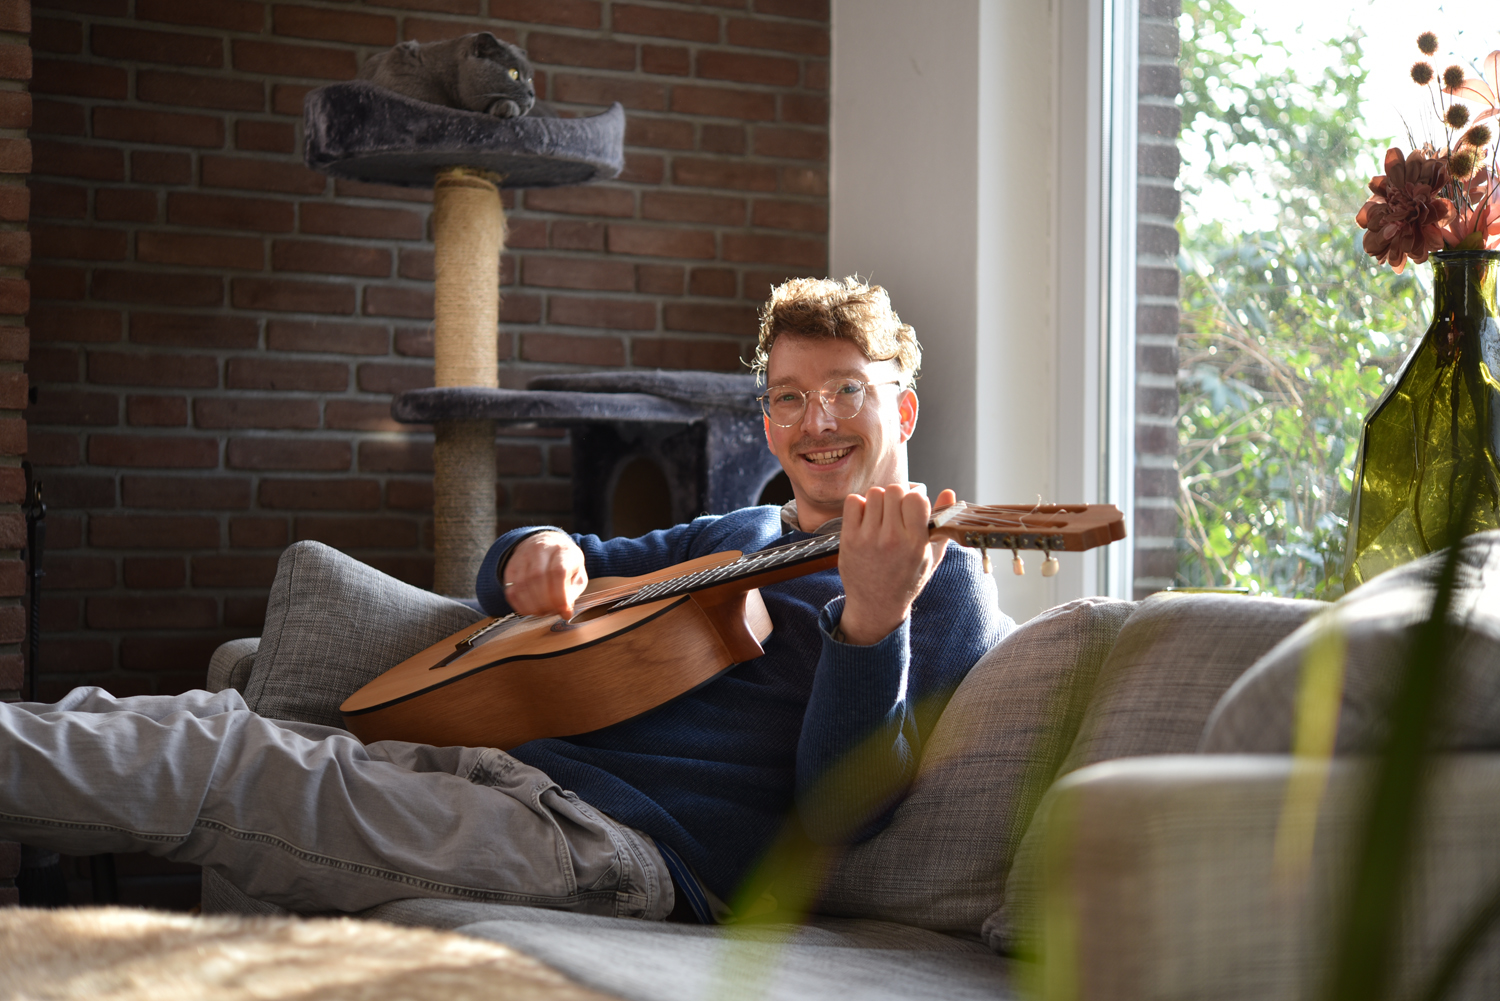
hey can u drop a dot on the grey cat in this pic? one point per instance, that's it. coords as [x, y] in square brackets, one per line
[476, 72]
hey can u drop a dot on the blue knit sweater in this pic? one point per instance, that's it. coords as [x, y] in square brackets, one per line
[714, 773]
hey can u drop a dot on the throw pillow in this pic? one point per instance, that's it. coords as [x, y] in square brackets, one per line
[941, 862]
[1256, 715]
[332, 625]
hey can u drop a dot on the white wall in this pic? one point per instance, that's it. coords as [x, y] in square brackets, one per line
[947, 121]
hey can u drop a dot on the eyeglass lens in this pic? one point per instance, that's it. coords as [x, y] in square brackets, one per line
[840, 398]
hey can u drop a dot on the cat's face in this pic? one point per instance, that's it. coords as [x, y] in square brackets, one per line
[495, 77]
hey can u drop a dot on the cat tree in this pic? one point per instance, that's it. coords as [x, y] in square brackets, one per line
[363, 132]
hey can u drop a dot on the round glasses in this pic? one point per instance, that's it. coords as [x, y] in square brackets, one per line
[840, 398]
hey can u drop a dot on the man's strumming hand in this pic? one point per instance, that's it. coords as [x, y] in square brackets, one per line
[885, 559]
[544, 575]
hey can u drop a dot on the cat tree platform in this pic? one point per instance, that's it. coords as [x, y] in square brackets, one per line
[645, 443]
[364, 132]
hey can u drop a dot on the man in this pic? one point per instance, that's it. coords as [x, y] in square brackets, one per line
[668, 810]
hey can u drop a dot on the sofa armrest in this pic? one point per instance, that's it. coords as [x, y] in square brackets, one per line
[230, 665]
[1160, 877]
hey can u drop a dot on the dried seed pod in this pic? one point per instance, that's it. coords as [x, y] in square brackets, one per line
[1421, 73]
[1427, 42]
[1453, 77]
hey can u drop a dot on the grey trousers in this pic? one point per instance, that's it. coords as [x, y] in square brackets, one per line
[307, 817]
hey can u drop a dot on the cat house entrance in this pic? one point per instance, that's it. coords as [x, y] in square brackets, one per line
[641, 501]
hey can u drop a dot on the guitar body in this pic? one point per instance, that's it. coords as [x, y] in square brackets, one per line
[543, 676]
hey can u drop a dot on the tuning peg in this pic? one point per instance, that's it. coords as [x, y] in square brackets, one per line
[1016, 566]
[1050, 566]
[985, 557]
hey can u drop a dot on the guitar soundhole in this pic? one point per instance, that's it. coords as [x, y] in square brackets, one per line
[563, 626]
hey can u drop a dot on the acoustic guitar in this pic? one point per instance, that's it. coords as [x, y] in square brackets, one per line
[635, 643]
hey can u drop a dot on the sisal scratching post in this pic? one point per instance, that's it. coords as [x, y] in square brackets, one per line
[468, 234]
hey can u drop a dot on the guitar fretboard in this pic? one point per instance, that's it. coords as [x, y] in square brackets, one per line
[746, 566]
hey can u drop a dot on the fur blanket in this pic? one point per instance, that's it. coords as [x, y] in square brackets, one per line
[120, 954]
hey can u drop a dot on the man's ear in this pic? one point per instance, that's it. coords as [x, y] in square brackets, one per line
[906, 409]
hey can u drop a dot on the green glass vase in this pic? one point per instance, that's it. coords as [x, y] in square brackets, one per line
[1432, 440]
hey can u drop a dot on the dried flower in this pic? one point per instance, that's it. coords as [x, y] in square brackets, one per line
[1453, 78]
[1477, 226]
[1427, 42]
[1421, 73]
[1462, 163]
[1406, 216]
[1478, 136]
[1457, 116]
[1482, 89]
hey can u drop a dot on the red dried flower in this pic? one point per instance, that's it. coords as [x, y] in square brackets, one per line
[1481, 89]
[1406, 217]
[1476, 227]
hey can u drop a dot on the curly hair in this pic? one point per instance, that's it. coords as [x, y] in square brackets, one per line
[849, 309]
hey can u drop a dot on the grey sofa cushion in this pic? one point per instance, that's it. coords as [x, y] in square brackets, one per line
[333, 624]
[941, 862]
[1172, 662]
[1256, 715]
[230, 665]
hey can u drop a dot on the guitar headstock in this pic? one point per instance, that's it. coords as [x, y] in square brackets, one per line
[1050, 528]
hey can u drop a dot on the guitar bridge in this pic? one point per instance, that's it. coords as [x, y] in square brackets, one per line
[466, 644]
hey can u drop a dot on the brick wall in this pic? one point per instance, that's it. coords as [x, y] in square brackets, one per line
[1157, 205]
[219, 331]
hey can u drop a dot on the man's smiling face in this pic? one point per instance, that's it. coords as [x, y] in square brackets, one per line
[825, 458]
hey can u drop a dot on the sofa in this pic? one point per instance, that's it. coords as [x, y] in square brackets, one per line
[1103, 810]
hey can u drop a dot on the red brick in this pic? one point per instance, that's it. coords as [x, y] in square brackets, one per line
[77, 572]
[738, 320]
[15, 15]
[12, 485]
[641, 130]
[239, 412]
[572, 350]
[403, 455]
[441, 6]
[567, 272]
[416, 264]
[320, 495]
[272, 374]
[156, 411]
[351, 220]
[260, 175]
[71, 406]
[810, 10]
[658, 241]
[235, 15]
[57, 282]
[192, 90]
[286, 98]
[60, 323]
[632, 93]
[292, 296]
[593, 200]
[774, 214]
[185, 208]
[679, 207]
[258, 533]
[795, 251]
[116, 368]
[804, 181]
[53, 364]
[64, 490]
[808, 109]
[58, 118]
[186, 657]
[815, 76]
[721, 102]
[153, 451]
[643, 169]
[522, 233]
[190, 330]
[573, 50]
[359, 533]
[659, 22]
[518, 309]
[414, 342]
[797, 144]
[743, 68]
[719, 282]
[15, 156]
[577, 234]
[160, 127]
[421, 29]
[409, 495]
[137, 45]
[662, 352]
[357, 415]
[327, 337]
[155, 571]
[668, 60]
[611, 314]
[333, 25]
[803, 39]
[44, 449]
[268, 137]
[288, 453]
[234, 571]
[52, 35]
[15, 249]
[177, 611]
[543, 497]
[723, 174]
[659, 279]
[149, 167]
[722, 139]
[568, 13]
[158, 288]
[77, 656]
[15, 296]
[15, 62]
[381, 300]
[79, 79]
[345, 188]
[330, 258]
[125, 205]
[202, 251]
[15, 202]
[277, 59]
[63, 159]
[388, 377]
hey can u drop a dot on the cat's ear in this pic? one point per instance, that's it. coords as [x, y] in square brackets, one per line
[486, 45]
